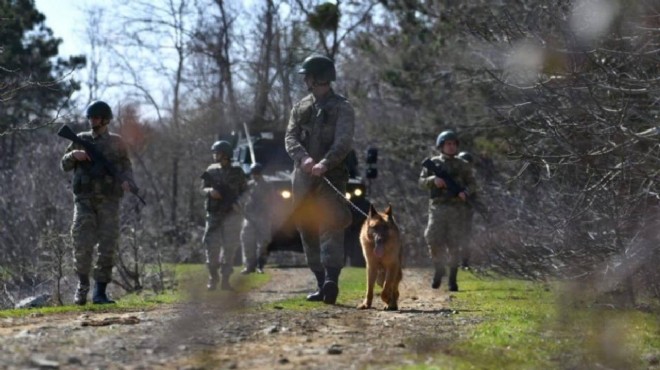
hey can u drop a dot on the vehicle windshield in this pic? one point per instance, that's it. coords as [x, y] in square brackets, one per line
[270, 152]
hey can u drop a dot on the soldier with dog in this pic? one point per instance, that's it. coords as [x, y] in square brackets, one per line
[318, 138]
[449, 197]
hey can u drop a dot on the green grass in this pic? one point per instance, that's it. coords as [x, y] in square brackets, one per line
[524, 325]
[189, 278]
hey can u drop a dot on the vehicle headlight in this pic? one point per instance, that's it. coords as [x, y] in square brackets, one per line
[348, 195]
[285, 194]
[358, 192]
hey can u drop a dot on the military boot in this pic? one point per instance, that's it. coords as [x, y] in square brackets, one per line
[317, 296]
[331, 285]
[453, 286]
[437, 276]
[226, 271]
[214, 278]
[261, 263]
[99, 296]
[80, 298]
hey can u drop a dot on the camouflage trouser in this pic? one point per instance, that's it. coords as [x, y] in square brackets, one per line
[446, 232]
[321, 217]
[255, 237]
[95, 220]
[222, 239]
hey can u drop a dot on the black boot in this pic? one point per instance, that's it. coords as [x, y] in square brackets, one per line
[261, 263]
[80, 298]
[317, 296]
[437, 276]
[331, 285]
[453, 287]
[226, 272]
[99, 296]
[214, 278]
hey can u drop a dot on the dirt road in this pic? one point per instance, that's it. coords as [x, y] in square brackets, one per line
[230, 333]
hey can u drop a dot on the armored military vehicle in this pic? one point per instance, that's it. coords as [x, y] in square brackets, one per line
[269, 150]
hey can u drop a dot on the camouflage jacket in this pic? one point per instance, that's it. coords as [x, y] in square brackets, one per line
[458, 169]
[230, 182]
[94, 181]
[321, 129]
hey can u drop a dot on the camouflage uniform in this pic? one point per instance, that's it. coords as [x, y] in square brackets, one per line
[256, 231]
[96, 204]
[322, 130]
[223, 220]
[446, 231]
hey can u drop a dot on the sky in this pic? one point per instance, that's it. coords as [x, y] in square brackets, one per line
[65, 18]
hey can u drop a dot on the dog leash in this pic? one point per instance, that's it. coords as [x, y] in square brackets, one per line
[343, 196]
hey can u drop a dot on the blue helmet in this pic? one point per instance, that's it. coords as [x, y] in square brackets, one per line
[444, 136]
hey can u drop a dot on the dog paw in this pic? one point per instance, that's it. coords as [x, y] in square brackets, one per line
[364, 306]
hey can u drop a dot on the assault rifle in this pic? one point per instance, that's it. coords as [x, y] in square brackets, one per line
[229, 197]
[454, 188]
[98, 160]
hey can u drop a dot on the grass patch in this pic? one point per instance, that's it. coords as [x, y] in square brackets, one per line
[524, 325]
[189, 277]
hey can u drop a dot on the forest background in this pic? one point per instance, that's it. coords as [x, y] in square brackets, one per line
[558, 103]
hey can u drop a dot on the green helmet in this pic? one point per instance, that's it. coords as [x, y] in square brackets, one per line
[444, 136]
[320, 67]
[223, 147]
[466, 156]
[100, 109]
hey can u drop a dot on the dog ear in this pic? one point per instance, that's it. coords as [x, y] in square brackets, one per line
[388, 211]
[372, 211]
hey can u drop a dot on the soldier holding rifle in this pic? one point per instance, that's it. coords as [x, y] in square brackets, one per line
[222, 184]
[102, 172]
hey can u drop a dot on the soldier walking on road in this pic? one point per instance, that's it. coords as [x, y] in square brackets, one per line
[222, 184]
[96, 195]
[318, 138]
[256, 231]
[446, 232]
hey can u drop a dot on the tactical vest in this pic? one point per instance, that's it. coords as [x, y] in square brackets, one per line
[91, 179]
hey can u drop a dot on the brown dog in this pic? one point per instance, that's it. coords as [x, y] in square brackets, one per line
[381, 245]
